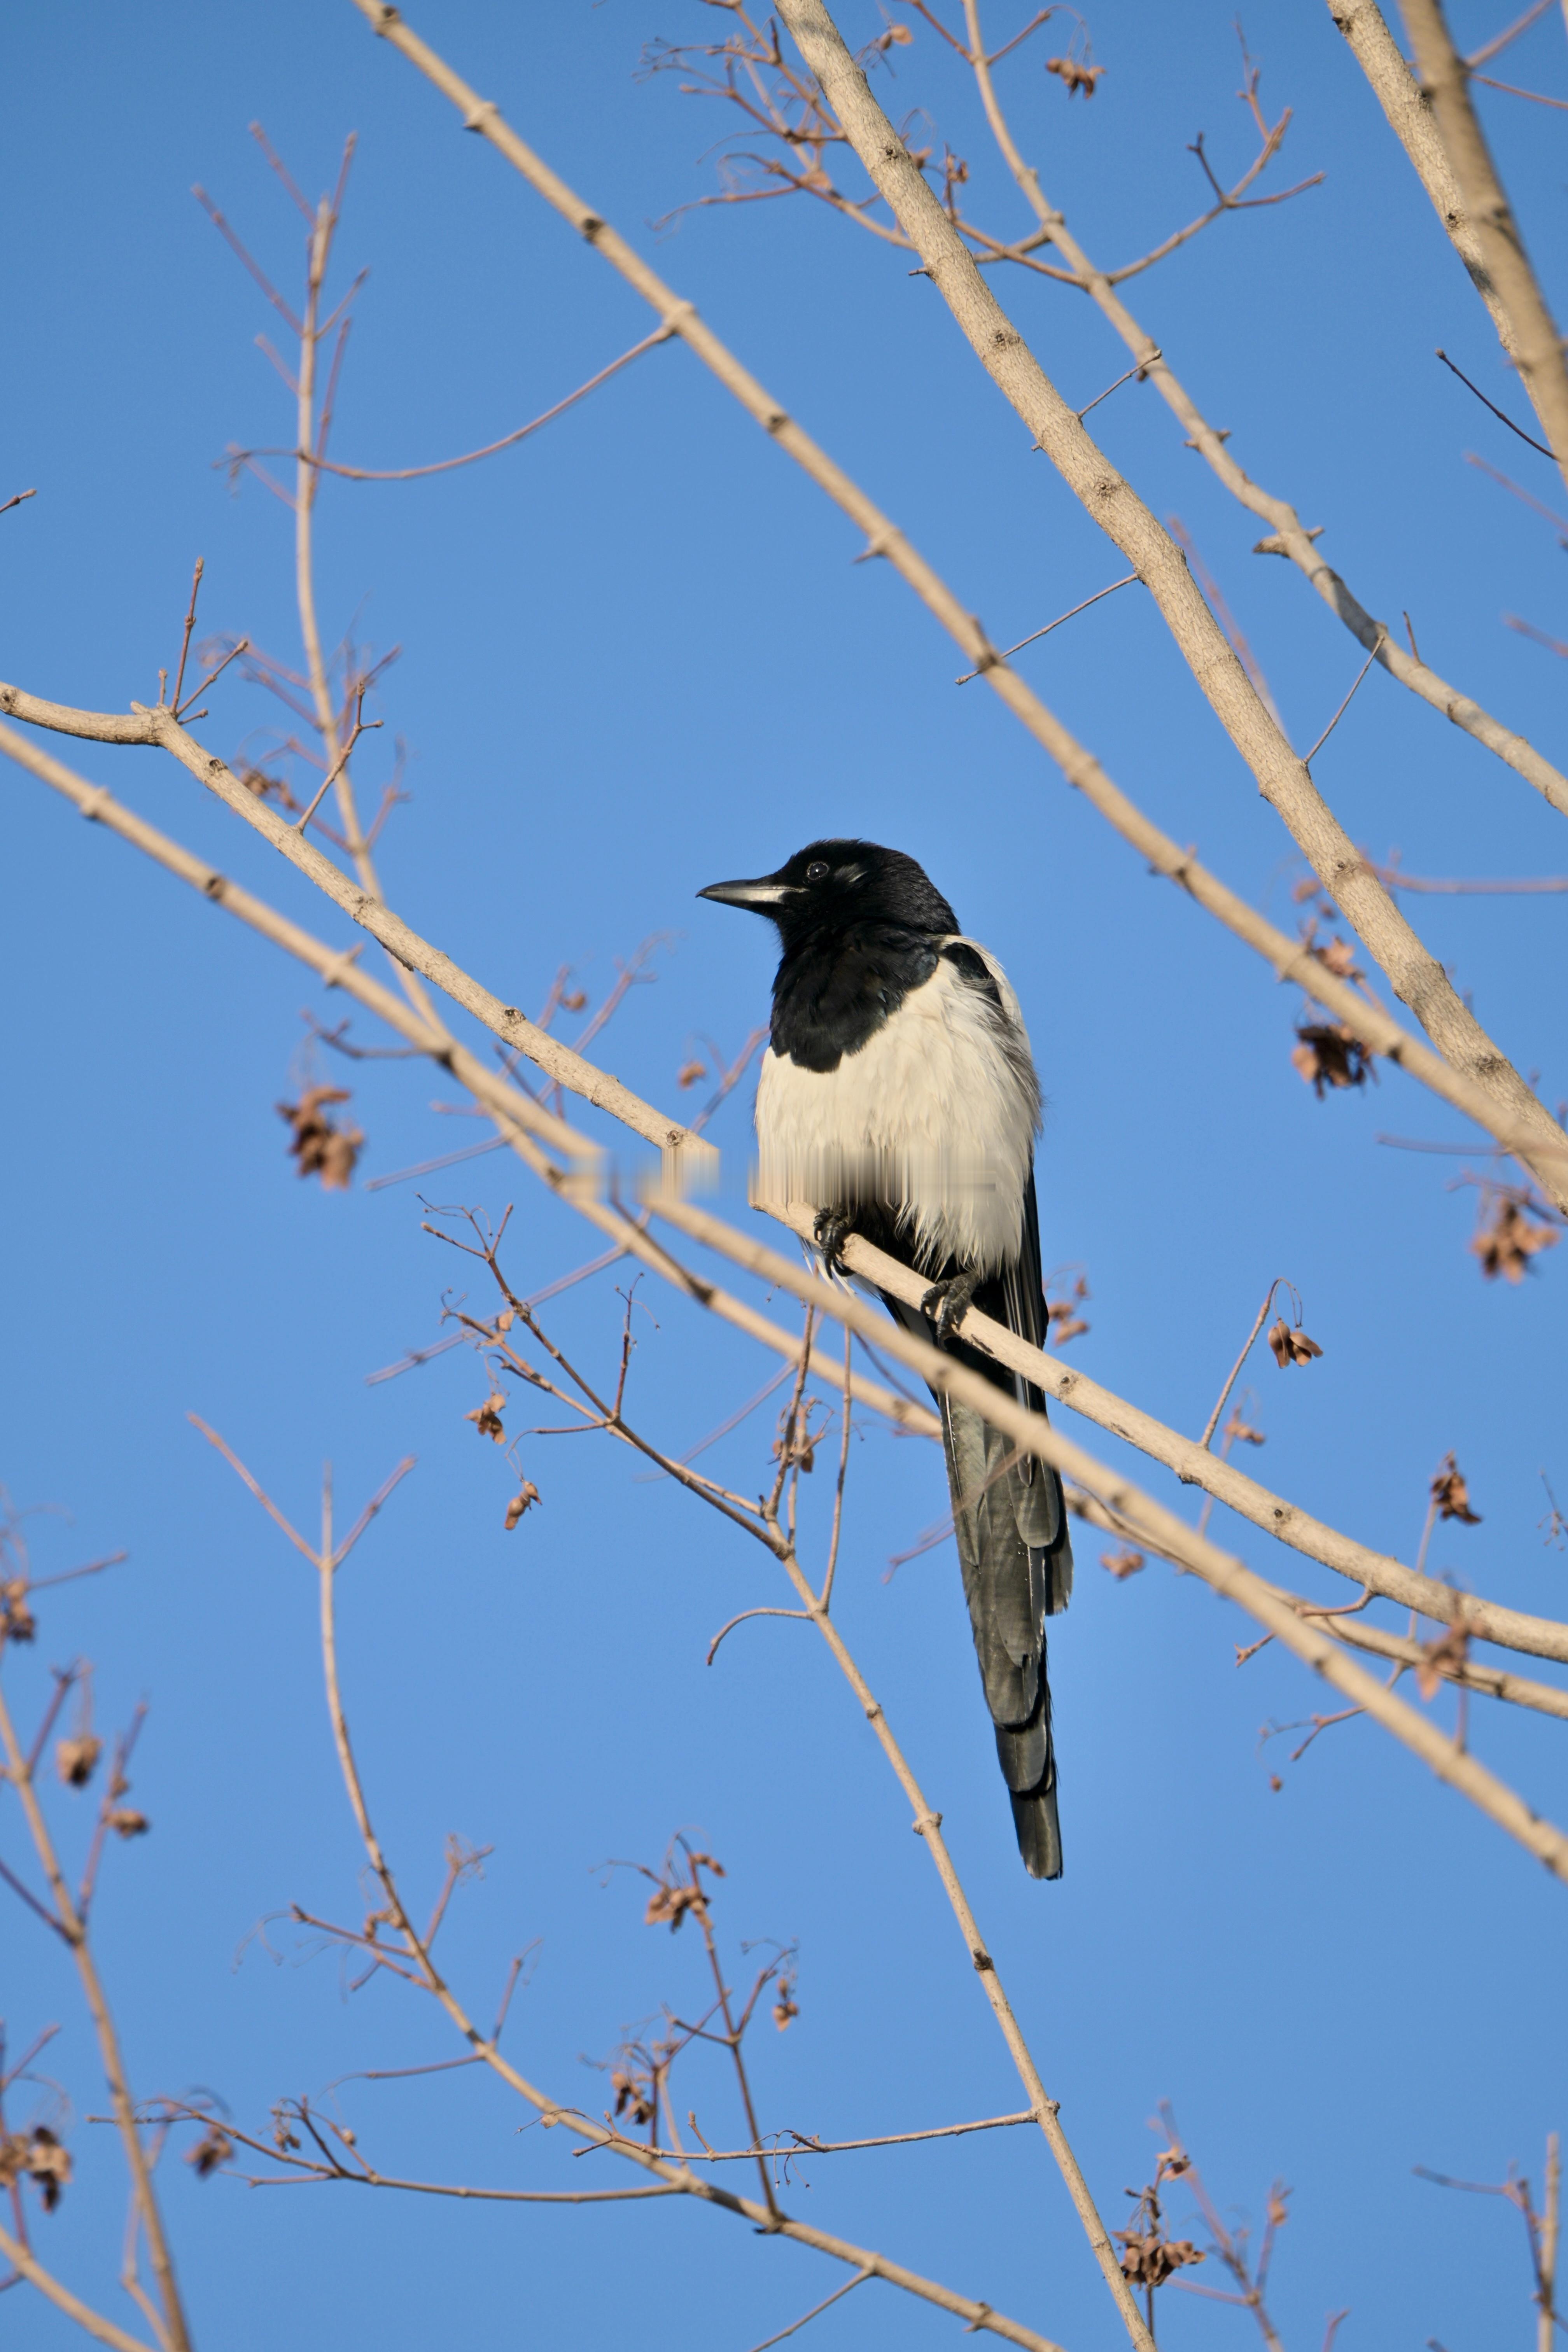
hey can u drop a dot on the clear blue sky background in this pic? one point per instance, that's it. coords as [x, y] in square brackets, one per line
[636, 655]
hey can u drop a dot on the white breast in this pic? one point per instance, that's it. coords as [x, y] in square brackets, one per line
[935, 1115]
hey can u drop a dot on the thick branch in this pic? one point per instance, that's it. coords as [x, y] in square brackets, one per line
[1409, 117]
[1532, 341]
[557, 1061]
[1287, 535]
[1416, 976]
[1158, 1527]
[90, 2322]
[1194, 1464]
[512, 1111]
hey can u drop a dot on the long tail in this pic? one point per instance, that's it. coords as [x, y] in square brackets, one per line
[1015, 1553]
[1016, 1558]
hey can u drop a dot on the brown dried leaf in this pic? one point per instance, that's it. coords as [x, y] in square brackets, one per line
[525, 1499]
[1339, 957]
[1121, 1564]
[320, 1148]
[486, 1417]
[796, 1441]
[76, 1760]
[669, 1905]
[211, 2152]
[17, 1622]
[1063, 1321]
[1291, 1346]
[1507, 1244]
[1150, 2260]
[1327, 1055]
[786, 2009]
[47, 2164]
[1076, 75]
[1451, 1495]
[577, 1002]
[690, 1073]
[1450, 1650]
[126, 1821]
[633, 2096]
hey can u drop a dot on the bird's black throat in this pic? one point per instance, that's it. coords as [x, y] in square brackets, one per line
[835, 987]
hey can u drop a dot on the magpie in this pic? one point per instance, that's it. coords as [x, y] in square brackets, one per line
[898, 1101]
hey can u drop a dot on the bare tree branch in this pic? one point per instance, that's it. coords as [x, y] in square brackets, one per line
[1415, 974]
[1533, 342]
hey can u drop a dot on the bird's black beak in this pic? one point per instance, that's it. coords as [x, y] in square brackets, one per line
[762, 897]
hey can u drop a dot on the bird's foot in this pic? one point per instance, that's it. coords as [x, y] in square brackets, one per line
[947, 1303]
[831, 1231]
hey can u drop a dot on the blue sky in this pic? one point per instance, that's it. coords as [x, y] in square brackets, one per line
[636, 655]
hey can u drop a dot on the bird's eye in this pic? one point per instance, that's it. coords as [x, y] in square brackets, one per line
[816, 870]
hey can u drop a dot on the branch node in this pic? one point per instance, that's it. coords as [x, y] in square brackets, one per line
[332, 974]
[1275, 542]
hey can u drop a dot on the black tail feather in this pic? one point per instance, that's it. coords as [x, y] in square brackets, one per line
[1039, 1833]
[1010, 1519]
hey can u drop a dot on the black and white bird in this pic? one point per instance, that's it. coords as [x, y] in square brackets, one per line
[897, 1100]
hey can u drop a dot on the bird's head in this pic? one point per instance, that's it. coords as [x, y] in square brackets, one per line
[840, 886]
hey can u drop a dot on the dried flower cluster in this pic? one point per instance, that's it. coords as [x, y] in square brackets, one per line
[38, 2156]
[1508, 1237]
[1290, 1347]
[318, 1148]
[1451, 1495]
[1327, 1054]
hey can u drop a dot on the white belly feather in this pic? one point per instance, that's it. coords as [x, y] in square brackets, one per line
[935, 1115]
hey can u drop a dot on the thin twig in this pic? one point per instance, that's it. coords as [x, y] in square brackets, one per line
[470, 456]
[1501, 415]
[980, 670]
[1308, 757]
[185, 639]
[796, 2324]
